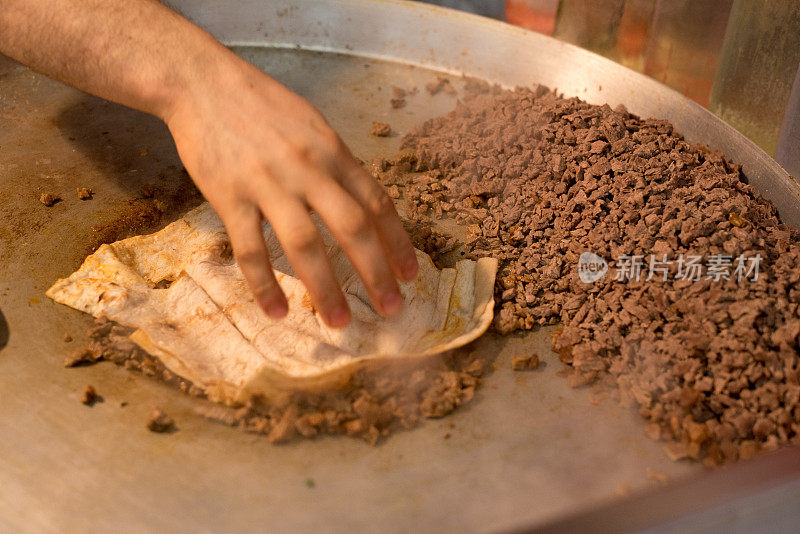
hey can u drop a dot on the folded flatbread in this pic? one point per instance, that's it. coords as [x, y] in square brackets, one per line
[188, 300]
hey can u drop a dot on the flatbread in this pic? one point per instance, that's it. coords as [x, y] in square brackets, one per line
[187, 298]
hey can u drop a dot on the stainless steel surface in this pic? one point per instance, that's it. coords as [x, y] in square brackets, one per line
[721, 501]
[528, 449]
[788, 151]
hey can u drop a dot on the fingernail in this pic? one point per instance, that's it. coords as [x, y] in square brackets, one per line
[410, 268]
[275, 308]
[339, 317]
[391, 302]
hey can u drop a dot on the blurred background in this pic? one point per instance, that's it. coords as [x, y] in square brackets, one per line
[738, 58]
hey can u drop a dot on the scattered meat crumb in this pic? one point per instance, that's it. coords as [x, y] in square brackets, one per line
[398, 103]
[159, 422]
[89, 396]
[85, 193]
[67, 338]
[522, 363]
[380, 129]
[82, 357]
[440, 84]
[399, 92]
[48, 199]
[284, 429]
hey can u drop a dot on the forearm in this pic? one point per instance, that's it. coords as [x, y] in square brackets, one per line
[135, 52]
[255, 149]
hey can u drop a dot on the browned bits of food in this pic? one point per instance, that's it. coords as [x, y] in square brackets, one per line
[380, 129]
[397, 103]
[89, 396]
[66, 338]
[712, 363]
[49, 199]
[373, 405]
[736, 220]
[439, 85]
[399, 92]
[164, 283]
[522, 363]
[158, 421]
[393, 191]
[148, 190]
[284, 429]
[82, 357]
[85, 193]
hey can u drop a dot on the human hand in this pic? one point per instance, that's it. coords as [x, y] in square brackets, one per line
[258, 151]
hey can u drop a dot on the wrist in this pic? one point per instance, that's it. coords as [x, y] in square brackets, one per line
[201, 73]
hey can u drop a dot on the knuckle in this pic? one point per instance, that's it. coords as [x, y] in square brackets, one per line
[356, 225]
[302, 239]
[380, 203]
[299, 152]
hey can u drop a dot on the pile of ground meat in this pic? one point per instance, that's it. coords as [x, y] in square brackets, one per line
[538, 180]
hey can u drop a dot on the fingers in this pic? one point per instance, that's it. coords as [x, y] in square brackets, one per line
[355, 230]
[303, 245]
[380, 208]
[251, 253]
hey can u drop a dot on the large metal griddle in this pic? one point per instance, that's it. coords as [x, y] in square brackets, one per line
[528, 450]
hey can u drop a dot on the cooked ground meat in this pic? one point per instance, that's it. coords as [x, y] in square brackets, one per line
[158, 421]
[83, 356]
[49, 199]
[89, 396]
[522, 363]
[371, 406]
[439, 85]
[398, 103]
[85, 193]
[538, 180]
[380, 129]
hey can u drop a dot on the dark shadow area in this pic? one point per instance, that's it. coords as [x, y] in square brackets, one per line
[132, 152]
[4, 333]
[128, 146]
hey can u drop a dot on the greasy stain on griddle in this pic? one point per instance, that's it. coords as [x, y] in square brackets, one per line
[144, 214]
